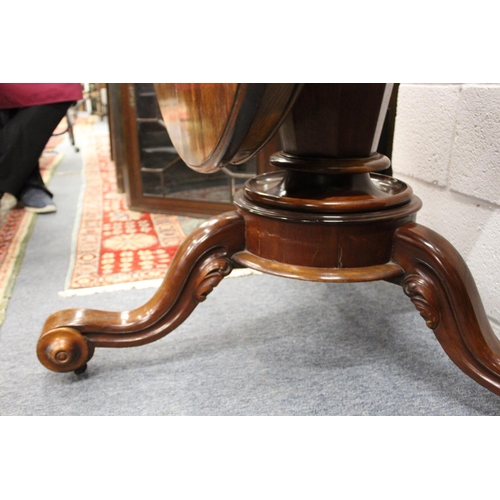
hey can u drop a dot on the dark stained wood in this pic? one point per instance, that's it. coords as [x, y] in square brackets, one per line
[338, 106]
[386, 271]
[70, 336]
[387, 137]
[132, 179]
[326, 211]
[440, 284]
[264, 154]
[116, 133]
[131, 176]
[315, 193]
[324, 216]
[214, 124]
[196, 117]
[322, 240]
[128, 161]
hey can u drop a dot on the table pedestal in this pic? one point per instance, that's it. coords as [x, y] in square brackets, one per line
[325, 215]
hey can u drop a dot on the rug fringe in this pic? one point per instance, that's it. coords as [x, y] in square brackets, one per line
[236, 273]
[111, 288]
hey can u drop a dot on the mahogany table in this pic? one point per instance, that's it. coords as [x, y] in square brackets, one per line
[324, 215]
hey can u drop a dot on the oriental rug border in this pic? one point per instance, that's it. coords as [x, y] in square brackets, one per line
[16, 226]
[115, 248]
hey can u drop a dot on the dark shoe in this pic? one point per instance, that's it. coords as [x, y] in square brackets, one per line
[37, 201]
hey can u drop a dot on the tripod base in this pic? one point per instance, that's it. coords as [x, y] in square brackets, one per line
[300, 242]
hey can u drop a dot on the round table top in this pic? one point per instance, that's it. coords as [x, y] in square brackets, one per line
[214, 124]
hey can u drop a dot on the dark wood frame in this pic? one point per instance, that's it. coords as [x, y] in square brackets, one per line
[127, 155]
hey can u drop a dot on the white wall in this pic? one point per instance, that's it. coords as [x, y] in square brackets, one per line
[447, 147]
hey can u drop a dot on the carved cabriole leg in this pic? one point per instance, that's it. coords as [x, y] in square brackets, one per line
[439, 283]
[69, 337]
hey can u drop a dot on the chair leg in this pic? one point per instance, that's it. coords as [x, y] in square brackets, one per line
[71, 131]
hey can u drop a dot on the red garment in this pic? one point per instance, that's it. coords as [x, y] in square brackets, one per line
[20, 95]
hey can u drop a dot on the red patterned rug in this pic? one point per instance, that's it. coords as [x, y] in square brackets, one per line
[116, 248]
[16, 226]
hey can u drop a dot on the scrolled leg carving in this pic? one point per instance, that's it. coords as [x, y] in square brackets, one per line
[211, 276]
[440, 285]
[421, 293]
[64, 349]
[69, 337]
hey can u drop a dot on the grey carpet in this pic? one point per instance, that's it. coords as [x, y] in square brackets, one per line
[259, 345]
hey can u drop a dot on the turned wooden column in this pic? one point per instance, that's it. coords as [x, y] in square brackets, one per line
[326, 215]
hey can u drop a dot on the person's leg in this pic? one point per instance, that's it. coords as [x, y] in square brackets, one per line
[23, 136]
